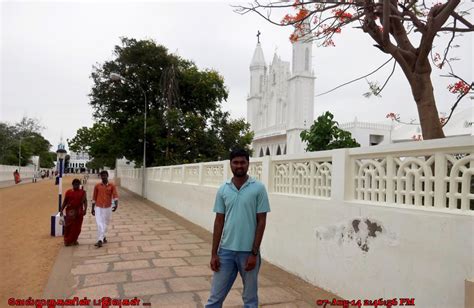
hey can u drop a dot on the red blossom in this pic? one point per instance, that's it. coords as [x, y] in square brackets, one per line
[328, 42]
[459, 87]
[342, 15]
[437, 61]
[392, 116]
[294, 37]
[291, 19]
[417, 137]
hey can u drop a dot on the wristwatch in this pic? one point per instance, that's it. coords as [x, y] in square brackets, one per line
[255, 251]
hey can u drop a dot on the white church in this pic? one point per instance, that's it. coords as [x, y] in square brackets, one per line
[280, 105]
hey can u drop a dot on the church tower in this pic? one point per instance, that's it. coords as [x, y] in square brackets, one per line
[300, 93]
[257, 83]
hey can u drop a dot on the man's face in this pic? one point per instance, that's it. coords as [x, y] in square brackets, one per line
[239, 166]
[76, 185]
[104, 177]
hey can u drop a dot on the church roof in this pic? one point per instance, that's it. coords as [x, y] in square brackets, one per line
[258, 58]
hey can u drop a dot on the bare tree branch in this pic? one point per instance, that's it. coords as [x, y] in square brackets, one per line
[388, 78]
[356, 79]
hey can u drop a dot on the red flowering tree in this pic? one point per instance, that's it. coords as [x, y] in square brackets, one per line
[390, 23]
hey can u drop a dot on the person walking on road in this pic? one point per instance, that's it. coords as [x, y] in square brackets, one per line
[75, 204]
[241, 208]
[16, 176]
[105, 193]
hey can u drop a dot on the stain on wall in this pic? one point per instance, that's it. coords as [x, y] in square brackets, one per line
[361, 231]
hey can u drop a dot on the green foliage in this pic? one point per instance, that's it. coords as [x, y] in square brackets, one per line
[99, 142]
[47, 159]
[185, 122]
[325, 134]
[26, 134]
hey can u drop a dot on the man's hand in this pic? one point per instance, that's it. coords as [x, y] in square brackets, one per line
[251, 262]
[114, 208]
[93, 212]
[215, 263]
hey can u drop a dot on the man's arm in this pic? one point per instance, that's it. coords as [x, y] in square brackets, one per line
[252, 259]
[94, 199]
[261, 223]
[115, 197]
[216, 239]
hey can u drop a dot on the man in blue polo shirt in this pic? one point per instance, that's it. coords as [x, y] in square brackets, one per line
[241, 208]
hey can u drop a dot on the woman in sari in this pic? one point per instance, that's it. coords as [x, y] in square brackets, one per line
[75, 204]
[16, 176]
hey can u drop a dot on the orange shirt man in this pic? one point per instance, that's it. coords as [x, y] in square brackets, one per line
[104, 194]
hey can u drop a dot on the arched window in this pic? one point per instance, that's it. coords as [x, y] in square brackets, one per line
[306, 59]
[278, 151]
[284, 151]
[261, 153]
[268, 151]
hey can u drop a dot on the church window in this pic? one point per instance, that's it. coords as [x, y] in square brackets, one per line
[306, 59]
[268, 152]
[278, 151]
[284, 151]
[274, 77]
[261, 152]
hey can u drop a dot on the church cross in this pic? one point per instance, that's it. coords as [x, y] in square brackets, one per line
[258, 36]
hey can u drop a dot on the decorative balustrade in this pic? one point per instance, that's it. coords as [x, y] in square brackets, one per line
[213, 173]
[431, 174]
[441, 178]
[191, 174]
[310, 177]
[256, 168]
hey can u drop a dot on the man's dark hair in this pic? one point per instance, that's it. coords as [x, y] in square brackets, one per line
[104, 172]
[239, 153]
[76, 181]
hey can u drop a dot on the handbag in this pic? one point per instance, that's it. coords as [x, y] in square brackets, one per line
[61, 219]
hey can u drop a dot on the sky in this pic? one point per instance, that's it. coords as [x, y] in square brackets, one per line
[48, 50]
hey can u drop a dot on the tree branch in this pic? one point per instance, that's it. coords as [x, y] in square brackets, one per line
[356, 79]
[388, 78]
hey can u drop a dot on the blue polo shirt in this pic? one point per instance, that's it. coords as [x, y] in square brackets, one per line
[240, 208]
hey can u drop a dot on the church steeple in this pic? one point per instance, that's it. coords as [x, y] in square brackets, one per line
[303, 52]
[257, 71]
[258, 60]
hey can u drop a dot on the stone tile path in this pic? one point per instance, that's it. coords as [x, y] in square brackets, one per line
[163, 260]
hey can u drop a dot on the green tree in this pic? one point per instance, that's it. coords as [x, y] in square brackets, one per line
[325, 134]
[99, 142]
[185, 122]
[28, 131]
[47, 159]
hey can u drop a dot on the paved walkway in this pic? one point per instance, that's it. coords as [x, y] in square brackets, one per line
[162, 259]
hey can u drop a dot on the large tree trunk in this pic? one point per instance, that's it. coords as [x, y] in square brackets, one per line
[422, 90]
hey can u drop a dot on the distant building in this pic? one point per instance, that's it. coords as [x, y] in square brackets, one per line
[370, 134]
[280, 104]
[78, 162]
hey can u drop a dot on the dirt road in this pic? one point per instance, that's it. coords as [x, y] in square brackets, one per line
[27, 250]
